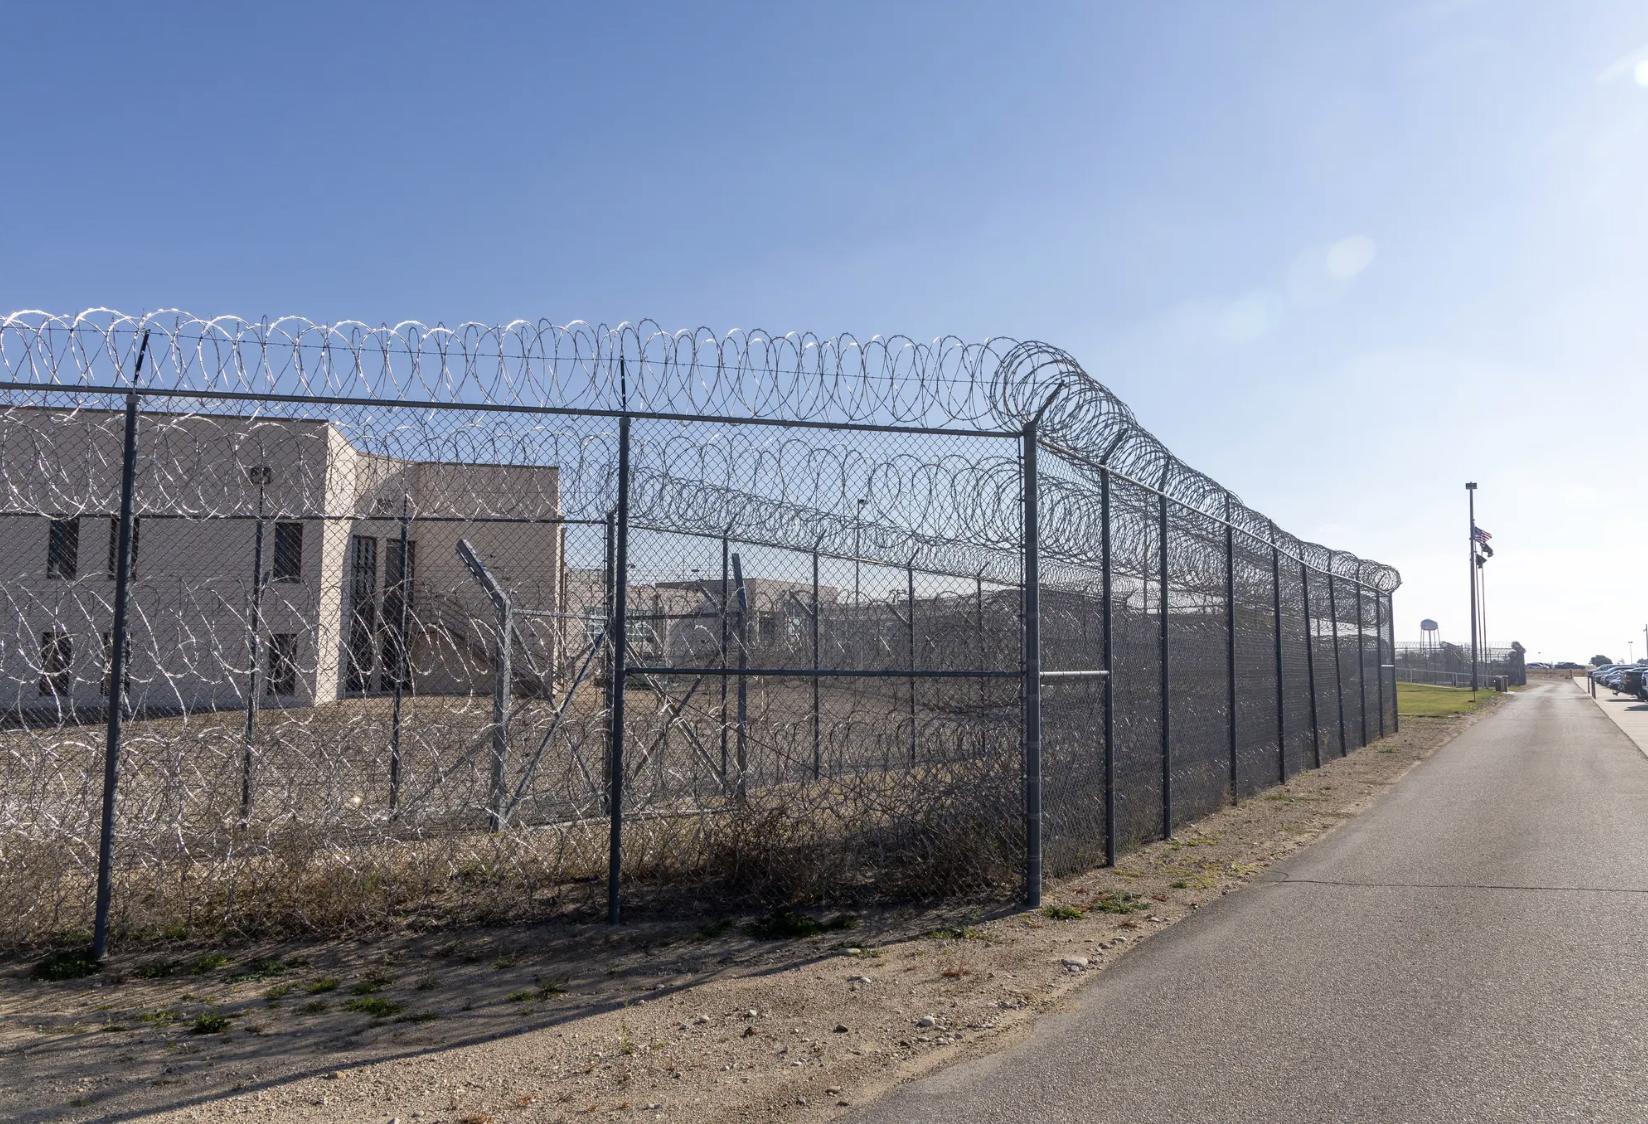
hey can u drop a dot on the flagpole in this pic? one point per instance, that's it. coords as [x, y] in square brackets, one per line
[1470, 542]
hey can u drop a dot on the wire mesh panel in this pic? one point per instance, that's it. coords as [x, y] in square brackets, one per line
[62, 468]
[1136, 593]
[1258, 750]
[1325, 663]
[1198, 686]
[1297, 670]
[1387, 659]
[1352, 657]
[428, 624]
[1072, 710]
[823, 695]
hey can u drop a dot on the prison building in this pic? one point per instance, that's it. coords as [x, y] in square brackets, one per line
[314, 510]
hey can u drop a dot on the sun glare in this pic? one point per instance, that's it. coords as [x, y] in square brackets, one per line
[1640, 72]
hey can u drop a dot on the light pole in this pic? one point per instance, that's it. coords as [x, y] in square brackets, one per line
[1470, 492]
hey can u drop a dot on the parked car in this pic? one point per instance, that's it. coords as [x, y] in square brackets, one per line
[1568, 665]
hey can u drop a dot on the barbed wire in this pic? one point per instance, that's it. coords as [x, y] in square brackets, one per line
[996, 385]
[799, 505]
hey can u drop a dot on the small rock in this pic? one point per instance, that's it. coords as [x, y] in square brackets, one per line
[749, 1032]
[859, 980]
[1075, 963]
[801, 1100]
[1157, 920]
[855, 952]
[833, 1091]
[751, 1013]
[840, 1028]
[700, 1020]
[926, 1021]
[333, 1076]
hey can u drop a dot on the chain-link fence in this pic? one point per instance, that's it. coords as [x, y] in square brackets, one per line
[324, 627]
[1444, 663]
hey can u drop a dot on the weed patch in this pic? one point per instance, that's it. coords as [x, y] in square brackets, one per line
[209, 1024]
[375, 1005]
[1119, 901]
[788, 925]
[370, 985]
[276, 992]
[65, 964]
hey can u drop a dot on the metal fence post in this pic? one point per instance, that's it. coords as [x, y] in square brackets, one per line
[978, 632]
[726, 605]
[742, 764]
[1109, 685]
[818, 752]
[610, 641]
[403, 660]
[1310, 668]
[502, 682]
[117, 668]
[910, 646]
[1167, 744]
[1379, 657]
[254, 628]
[1032, 671]
[1338, 674]
[1361, 662]
[1396, 709]
[1281, 696]
[619, 645]
[1230, 643]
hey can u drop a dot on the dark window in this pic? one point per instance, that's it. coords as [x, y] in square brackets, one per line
[108, 663]
[56, 653]
[283, 664]
[63, 548]
[399, 570]
[363, 612]
[288, 552]
[114, 544]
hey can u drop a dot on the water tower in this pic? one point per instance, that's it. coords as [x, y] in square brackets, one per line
[1427, 629]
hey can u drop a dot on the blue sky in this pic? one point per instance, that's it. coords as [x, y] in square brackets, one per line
[1342, 257]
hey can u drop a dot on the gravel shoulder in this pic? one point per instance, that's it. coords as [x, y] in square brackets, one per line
[663, 1020]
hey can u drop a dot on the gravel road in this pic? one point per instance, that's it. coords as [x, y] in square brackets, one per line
[1472, 948]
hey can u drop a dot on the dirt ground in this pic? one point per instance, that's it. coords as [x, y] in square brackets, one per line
[753, 1020]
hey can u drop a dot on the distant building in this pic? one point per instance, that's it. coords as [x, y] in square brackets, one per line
[335, 583]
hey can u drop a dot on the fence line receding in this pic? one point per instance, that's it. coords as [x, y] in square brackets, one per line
[425, 625]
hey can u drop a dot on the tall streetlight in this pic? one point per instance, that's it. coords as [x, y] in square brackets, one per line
[1470, 538]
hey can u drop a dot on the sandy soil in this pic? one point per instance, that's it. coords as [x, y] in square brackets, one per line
[660, 1020]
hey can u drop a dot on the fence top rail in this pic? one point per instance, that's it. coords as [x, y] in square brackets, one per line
[893, 383]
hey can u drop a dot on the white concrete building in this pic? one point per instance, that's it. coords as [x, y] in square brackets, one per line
[331, 569]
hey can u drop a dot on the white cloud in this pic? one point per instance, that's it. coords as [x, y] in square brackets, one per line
[1632, 65]
[1348, 257]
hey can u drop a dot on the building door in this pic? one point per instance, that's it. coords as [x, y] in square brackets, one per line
[398, 575]
[363, 611]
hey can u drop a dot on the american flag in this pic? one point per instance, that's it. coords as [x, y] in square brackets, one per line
[1480, 535]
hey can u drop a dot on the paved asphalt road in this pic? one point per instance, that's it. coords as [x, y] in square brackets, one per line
[1473, 948]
